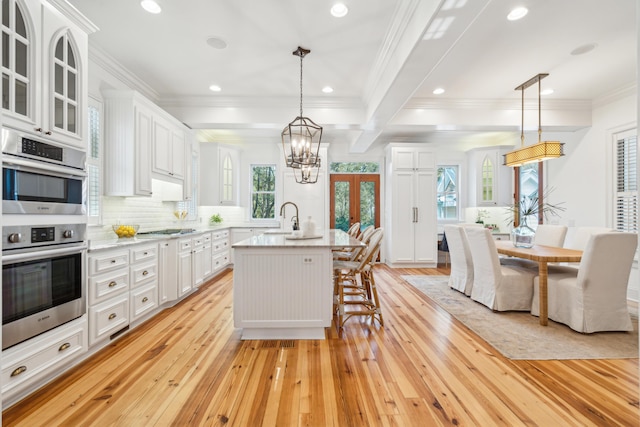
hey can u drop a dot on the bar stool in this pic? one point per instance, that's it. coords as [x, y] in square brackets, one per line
[354, 284]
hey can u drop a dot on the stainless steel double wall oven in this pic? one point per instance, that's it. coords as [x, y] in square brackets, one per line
[44, 236]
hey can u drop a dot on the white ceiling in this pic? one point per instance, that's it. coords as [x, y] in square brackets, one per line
[385, 56]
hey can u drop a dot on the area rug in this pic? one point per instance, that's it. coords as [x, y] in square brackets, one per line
[518, 335]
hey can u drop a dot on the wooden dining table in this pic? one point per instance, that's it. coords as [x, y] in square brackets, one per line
[542, 255]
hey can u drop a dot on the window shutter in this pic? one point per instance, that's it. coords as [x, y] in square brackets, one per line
[626, 214]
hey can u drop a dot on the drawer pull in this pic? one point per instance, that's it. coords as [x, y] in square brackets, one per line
[64, 346]
[144, 273]
[145, 299]
[112, 283]
[113, 261]
[18, 371]
[112, 316]
[146, 253]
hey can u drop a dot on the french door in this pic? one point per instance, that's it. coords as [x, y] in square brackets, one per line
[355, 198]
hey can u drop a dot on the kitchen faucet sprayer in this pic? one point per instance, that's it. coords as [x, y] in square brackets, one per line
[295, 218]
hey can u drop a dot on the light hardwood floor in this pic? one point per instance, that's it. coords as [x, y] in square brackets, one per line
[187, 366]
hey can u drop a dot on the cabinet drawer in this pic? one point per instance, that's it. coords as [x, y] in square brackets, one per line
[220, 245]
[206, 238]
[184, 245]
[220, 260]
[143, 273]
[144, 300]
[99, 263]
[43, 354]
[108, 285]
[108, 317]
[198, 241]
[144, 253]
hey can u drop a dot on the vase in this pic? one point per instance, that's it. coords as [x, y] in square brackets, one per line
[523, 236]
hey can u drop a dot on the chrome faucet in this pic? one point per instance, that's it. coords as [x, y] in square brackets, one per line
[295, 218]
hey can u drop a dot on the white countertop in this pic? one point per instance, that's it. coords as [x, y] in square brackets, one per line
[325, 239]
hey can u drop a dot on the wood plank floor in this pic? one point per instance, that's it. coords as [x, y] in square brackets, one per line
[187, 366]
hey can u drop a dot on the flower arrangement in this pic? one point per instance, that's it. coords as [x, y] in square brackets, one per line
[481, 215]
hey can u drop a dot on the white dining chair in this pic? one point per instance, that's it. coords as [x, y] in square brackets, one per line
[499, 287]
[461, 276]
[578, 237]
[593, 297]
[550, 235]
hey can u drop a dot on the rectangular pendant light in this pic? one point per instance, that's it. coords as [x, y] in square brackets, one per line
[534, 153]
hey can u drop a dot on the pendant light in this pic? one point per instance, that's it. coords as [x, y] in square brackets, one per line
[301, 138]
[536, 152]
[307, 174]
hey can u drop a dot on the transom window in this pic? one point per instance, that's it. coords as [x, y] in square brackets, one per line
[263, 191]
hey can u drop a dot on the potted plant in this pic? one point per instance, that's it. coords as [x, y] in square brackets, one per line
[215, 219]
[531, 207]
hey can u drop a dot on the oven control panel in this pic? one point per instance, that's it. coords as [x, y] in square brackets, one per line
[26, 236]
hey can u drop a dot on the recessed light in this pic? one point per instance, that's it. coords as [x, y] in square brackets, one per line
[546, 92]
[151, 6]
[517, 13]
[327, 89]
[216, 42]
[215, 88]
[339, 10]
[438, 91]
[580, 50]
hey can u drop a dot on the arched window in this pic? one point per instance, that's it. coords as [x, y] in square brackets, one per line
[16, 64]
[65, 85]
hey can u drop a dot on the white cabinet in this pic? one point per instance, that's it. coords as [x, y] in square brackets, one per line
[220, 250]
[185, 272]
[219, 174]
[490, 181]
[168, 271]
[168, 149]
[123, 287]
[411, 223]
[41, 357]
[45, 84]
[206, 255]
[198, 260]
[129, 133]
[143, 297]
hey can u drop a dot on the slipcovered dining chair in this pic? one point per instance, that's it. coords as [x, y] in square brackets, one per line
[499, 287]
[461, 276]
[593, 297]
[550, 235]
[354, 230]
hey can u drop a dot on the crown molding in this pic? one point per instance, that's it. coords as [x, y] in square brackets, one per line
[73, 14]
[113, 67]
[260, 102]
[496, 104]
[622, 92]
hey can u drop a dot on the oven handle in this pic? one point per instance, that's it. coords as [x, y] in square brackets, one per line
[42, 253]
[31, 166]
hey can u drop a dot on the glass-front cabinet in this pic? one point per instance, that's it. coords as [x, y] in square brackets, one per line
[44, 69]
[489, 180]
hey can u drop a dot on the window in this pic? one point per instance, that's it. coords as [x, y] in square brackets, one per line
[355, 167]
[263, 191]
[94, 162]
[447, 193]
[487, 180]
[626, 190]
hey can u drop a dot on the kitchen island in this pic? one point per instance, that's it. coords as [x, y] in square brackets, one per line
[283, 287]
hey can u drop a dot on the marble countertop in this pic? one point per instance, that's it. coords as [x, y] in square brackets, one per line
[324, 239]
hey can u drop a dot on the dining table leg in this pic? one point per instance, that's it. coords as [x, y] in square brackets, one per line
[543, 292]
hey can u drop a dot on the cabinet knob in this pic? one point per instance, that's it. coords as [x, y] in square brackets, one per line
[64, 346]
[145, 299]
[112, 283]
[144, 273]
[113, 261]
[38, 129]
[48, 132]
[18, 371]
[112, 316]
